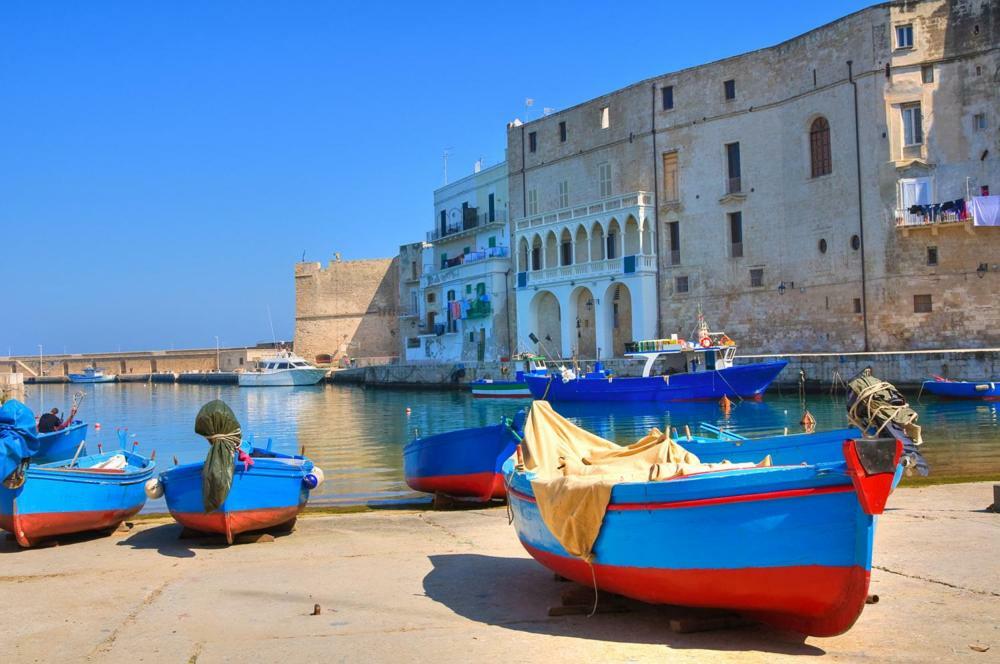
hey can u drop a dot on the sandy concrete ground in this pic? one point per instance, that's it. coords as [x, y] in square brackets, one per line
[457, 587]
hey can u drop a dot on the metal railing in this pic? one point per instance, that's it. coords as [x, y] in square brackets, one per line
[674, 257]
[734, 185]
[478, 221]
[904, 217]
[736, 250]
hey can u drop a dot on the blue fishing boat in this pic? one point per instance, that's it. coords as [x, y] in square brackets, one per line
[962, 389]
[92, 375]
[269, 492]
[790, 545]
[466, 463]
[487, 388]
[62, 444]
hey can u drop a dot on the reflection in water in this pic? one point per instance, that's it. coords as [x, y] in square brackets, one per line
[357, 435]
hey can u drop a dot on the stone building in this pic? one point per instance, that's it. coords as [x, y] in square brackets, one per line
[347, 309]
[453, 287]
[802, 195]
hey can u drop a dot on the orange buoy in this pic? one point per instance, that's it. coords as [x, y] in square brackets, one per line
[808, 422]
[725, 404]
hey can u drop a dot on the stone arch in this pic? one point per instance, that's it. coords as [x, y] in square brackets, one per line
[584, 309]
[632, 237]
[647, 238]
[582, 245]
[537, 252]
[565, 247]
[551, 250]
[617, 306]
[523, 255]
[613, 240]
[597, 243]
[546, 322]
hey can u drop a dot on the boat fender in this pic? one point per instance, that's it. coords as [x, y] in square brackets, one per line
[705, 342]
[154, 488]
[315, 478]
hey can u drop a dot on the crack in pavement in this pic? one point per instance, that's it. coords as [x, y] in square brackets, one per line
[445, 530]
[107, 644]
[988, 593]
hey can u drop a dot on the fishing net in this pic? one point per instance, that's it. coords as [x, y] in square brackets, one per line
[218, 424]
[877, 408]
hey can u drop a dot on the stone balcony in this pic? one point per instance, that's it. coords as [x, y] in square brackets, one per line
[476, 263]
[624, 266]
[604, 207]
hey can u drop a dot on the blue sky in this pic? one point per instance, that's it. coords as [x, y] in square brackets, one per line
[164, 164]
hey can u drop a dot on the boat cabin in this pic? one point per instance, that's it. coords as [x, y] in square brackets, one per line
[715, 351]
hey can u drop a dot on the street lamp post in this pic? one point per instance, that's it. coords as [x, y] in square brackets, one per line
[40, 371]
[218, 364]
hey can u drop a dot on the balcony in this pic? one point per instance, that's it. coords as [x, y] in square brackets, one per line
[612, 204]
[734, 185]
[906, 221]
[474, 221]
[493, 258]
[674, 257]
[640, 264]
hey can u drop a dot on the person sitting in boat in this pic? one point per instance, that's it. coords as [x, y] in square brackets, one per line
[49, 421]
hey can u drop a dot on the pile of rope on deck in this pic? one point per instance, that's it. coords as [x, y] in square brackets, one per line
[877, 408]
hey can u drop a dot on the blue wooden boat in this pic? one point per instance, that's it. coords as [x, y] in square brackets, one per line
[694, 372]
[789, 545]
[269, 493]
[92, 375]
[962, 389]
[61, 498]
[62, 444]
[466, 463]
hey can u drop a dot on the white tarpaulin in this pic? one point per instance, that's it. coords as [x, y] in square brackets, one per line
[986, 210]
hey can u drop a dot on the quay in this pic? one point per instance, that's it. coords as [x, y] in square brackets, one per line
[456, 586]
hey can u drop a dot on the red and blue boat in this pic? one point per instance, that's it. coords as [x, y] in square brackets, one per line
[271, 491]
[62, 444]
[463, 464]
[674, 370]
[789, 545]
[962, 389]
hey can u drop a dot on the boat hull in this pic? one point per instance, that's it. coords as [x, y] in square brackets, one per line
[960, 389]
[56, 502]
[271, 492]
[464, 464]
[59, 445]
[500, 390]
[81, 378]
[287, 378]
[744, 381]
[791, 546]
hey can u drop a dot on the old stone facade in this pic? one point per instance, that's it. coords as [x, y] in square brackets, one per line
[347, 309]
[774, 190]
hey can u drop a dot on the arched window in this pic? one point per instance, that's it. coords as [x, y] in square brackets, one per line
[819, 147]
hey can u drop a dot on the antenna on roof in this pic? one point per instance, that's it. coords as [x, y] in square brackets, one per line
[274, 340]
[447, 151]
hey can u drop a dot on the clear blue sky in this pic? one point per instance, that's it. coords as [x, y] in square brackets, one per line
[164, 164]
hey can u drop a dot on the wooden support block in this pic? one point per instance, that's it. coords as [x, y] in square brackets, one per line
[254, 538]
[124, 527]
[706, 620]
[443, 502]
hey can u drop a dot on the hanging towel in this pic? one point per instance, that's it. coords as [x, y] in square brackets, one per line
[986, 210]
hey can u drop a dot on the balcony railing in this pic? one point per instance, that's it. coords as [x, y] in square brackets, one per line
[674, 257]
[644, 264]
[604, 205]
[475, 220]
[736, 250]
[455, 271]
[734, 185]
[904, 217]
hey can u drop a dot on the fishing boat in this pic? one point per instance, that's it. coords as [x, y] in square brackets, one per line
[92, 375]
[88, 493]
[270, 492]
[790, 545]
[284, 369]
[486, 388]
[62, 444]
[690, 372]
[962, 389]
[463, 464]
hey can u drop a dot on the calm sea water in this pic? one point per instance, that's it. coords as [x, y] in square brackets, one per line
[357, 435]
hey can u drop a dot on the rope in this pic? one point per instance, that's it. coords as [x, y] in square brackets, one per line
[547, 387]
[881, 408]
[231, 439]
[597, 594]
[735, 393]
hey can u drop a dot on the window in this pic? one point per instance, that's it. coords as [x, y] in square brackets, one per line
[564, 194]
[730, 89]
[857, 305]
[612, 246]
[733, 184]
[913, 132]
[492, 242]
[667, 97]
[468, 289]
[979, 70]
[757, 277]
[904, 36]
[671, 190]
[681, 284]
[413, 270]
[674, 233]
[922, 304]
[536, 258]
[979, 121]
[927, 73]
[736, 234]
[819, 148]
[855, 242]
[532, 141]
[562, 131]
[915, 191]
[932, 256]
[567, 253]
[431, 298]
[532, 201]
[604, 176]
[822, 245]
[605, 117]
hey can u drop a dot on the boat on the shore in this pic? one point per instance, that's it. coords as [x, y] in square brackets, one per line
[88, 493]
[92, 375]
[62, 444]
[487, 388]
[466, 463]
[962, 389]
[790, 545]
[284, 369]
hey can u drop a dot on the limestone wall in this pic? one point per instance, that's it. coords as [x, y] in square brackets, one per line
[349, 308]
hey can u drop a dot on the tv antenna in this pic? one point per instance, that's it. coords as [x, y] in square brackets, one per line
[444, 157]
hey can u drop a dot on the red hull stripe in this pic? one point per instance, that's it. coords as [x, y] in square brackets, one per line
[471, 485]
[29, 528]
[721, 500]
[811, 599]
[231, 524]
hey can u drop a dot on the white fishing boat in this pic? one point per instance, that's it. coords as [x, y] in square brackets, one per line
[283, 369]
[92, 375]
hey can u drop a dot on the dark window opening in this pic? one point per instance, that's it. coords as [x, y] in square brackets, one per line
[733, 185]
[927, 73]
[682, 284]
[736, 234]
[536, 258]
[855, 242]
[819, 148]
[562, 131]
[492, 208]
[567, 253]
[757, 277]
[532, 141]
[922, 304]
[730, 88]
[932, 256]
[667, 97]
[674, 228]
[822, 246]
[857, 305]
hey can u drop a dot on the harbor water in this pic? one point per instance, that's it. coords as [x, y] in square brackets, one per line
[357, 435]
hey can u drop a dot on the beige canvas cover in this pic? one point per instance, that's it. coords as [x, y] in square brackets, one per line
[576, 470]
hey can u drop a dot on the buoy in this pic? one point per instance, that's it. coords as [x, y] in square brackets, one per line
[725, 404]
[408, 411]
[154, 489]
[808, 422]
[314, 478]
[97, 426]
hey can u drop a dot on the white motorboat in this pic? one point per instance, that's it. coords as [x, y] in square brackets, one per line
[284, 369]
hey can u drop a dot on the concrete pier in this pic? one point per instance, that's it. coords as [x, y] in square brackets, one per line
[456, 586]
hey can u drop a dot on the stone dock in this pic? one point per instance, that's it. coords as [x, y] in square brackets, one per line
[456, 586]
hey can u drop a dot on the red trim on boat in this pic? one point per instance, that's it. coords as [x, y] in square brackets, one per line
[720, 500]
[28, 529]
[231, 524]
[812, 599]
[484, 486]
